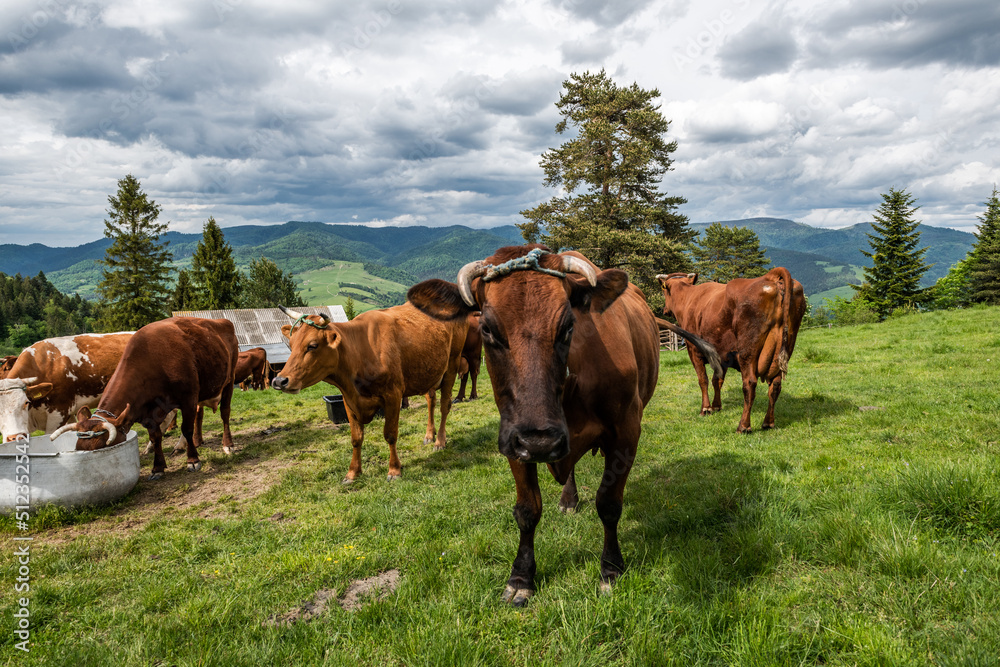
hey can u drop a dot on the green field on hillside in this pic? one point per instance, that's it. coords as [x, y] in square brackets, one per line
[864, 530]
[321, 287]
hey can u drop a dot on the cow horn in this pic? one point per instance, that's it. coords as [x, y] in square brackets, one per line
[112, 433]
[662, 276]
[291, 313]
[466, 275]
[576, 265]
[62, 429]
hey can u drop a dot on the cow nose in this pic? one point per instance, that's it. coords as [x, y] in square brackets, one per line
[16, 436]
[541, 445]
[279, 382]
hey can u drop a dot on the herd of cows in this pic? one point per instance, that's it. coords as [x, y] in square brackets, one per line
[572, 353]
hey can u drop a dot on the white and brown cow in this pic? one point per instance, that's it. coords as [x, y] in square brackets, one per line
[52, 379]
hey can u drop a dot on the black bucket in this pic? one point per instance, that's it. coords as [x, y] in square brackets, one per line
[337, 412]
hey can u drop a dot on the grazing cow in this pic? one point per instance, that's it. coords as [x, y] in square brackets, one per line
[573, 356]
[51, 380]
[752, 322]
[181, 362]
[6, 364]
[375, 360]
[472, 358]
[252, 369]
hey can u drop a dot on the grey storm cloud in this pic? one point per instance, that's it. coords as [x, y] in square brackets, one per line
[910, 33]
[759, 49]
[604, 13]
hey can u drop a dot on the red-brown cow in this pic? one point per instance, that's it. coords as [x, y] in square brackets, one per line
[472, 359]
[573, 356]
[51, 380]
[375, 360]
[752, 322]
[6, 364]
[252, 369]
[182, 363]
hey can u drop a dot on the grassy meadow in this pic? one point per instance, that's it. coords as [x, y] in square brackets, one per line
[864, 530]
[321, 287]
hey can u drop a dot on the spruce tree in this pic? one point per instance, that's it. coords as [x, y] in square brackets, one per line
[984, 259]
[213, 270]
[612, 210]
[185, 297]
[893, 280]
[729, 252]
[267, 286]
[134, 283]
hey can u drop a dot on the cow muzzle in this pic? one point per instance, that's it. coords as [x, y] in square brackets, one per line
[16, 436]
[281, 384]
[536, 445]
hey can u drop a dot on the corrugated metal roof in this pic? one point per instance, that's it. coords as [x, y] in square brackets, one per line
[261, 327]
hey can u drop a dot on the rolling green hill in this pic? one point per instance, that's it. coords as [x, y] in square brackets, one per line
[823, 260]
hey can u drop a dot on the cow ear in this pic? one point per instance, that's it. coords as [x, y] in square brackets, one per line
[286, 330]
[124, 415]
[693, 277]
[664, 283]
[38, 391]
[83, 414]
[611, 283]
[439, 299]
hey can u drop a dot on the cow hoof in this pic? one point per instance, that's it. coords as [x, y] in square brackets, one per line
[567, 509]
[347, 480]
[392, 477]
[194, 467]
[153, 476]
[517, 597]
[428, 441]
[706, 413]
[744, 431]
[227, 450]
[605, 587]
[438, 448]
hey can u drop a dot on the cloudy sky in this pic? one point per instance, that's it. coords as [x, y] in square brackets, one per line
[435, 112]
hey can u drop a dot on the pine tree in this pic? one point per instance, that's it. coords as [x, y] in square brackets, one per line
[133, 286]
[619, 219]
[213, 270]
[893, 281]
[184, 297]
[952, 290]
[729, 252]
[267, 286]
[349, 309]
[984, 259]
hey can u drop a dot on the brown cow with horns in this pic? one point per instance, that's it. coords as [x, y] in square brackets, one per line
[752, 322]
[573, 355]
[180, 362]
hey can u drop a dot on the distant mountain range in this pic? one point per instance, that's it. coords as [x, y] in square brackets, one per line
[821, 259]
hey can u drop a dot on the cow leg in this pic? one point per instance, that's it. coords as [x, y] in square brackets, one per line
[431, 433]
[391, 433]
[772, 397]
[446, 387]
[610, 495]
[225, 407]
[461, 387]
[357, 437]
[749, 394]
[159, 462]
[527, 513]
[717, 381]
[699, 368]
[474, 379]
[191, 432]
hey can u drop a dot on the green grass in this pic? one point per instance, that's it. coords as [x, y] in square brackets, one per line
[320, 287]
[844, 537]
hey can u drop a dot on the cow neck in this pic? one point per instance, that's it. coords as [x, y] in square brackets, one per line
[112, 401]
[683, 312]
[356, 345]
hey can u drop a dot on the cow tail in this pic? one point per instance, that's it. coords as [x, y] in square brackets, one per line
[786, 315]
[707, 350]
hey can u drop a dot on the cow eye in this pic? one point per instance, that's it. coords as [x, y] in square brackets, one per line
[490, 337]
[312, 346]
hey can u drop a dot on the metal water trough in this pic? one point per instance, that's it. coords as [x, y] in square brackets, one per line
[336, 411]
[60, 475]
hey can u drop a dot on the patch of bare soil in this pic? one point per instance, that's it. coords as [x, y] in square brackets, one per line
[180, 492]
[358, 593]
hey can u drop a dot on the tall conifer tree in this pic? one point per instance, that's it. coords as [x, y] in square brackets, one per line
[267, 286]
[893, 281]
[133, 286]
[984, 259]
[729, 252]
[184, 297]
[610, 172]
[213, 269]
